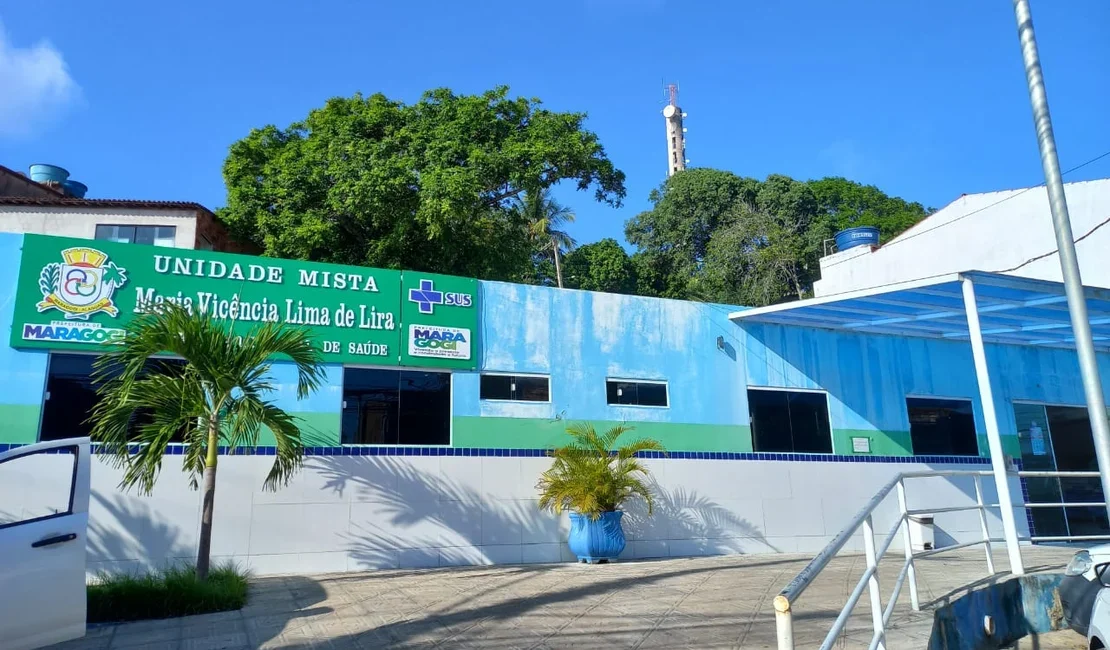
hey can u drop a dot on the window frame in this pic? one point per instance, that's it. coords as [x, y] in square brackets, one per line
[75, 450]
[450, 415]
[135, 233]
[828, 413]
[628, 380]
[943, 398]
[532, 375]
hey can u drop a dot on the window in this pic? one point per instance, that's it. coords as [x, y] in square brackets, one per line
[153, 235]
[942, 427]
[32, 486]
[518, 388]
[71, 396]
[636, 393]
[396, 407]
[790, 421]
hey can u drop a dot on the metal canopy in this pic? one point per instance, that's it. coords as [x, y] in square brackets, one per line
[1012, 310]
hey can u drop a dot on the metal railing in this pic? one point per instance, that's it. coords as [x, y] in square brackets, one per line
[869, 581]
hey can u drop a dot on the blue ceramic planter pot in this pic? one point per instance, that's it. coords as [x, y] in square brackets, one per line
[596, 540]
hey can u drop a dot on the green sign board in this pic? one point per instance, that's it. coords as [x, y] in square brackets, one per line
[76, 294]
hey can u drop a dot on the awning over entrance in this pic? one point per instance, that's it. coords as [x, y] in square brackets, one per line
[1013, 310]
[971, 306]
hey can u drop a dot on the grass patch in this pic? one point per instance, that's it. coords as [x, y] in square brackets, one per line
[174, 591]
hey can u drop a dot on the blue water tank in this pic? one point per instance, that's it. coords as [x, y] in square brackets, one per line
[48, 173]
[76, 189]
[852, 237]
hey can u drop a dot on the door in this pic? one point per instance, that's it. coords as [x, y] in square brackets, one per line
[44, 513]
[1038, 454]
[1058, 438]
[1074, 448]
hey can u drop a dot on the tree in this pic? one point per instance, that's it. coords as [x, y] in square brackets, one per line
[712, 235]
[686, 211]
[427, 186]
[219, 398]
[768, 253]
[601, 266]
[673, 237]
[544, 219]
[850, 204]
[656, 276]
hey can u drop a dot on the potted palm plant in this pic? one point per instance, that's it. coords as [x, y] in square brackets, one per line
[590, 478]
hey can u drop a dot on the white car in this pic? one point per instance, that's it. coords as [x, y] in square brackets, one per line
[44, 516]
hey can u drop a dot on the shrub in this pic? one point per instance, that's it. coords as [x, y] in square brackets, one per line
[591, 475]
[173, 591]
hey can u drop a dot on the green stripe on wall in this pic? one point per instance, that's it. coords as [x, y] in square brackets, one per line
[19, 423]
[527, 433]
[1011, 446]
[883, 443]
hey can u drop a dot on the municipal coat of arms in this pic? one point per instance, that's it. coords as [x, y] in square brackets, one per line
[81, 284]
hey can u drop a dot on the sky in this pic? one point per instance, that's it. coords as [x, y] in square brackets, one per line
[926, 100]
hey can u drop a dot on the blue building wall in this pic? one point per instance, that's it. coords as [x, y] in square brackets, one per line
[869, 377]
[580, 339]
[22, 373]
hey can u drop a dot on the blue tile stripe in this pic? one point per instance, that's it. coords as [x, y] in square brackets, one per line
[1025, 499]
[376, 450]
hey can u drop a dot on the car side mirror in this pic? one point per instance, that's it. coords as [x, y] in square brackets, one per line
[1102, 574]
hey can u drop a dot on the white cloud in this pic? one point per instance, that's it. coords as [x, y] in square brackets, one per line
[36, 86]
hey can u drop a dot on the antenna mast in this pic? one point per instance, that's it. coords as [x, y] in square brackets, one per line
[676, 134]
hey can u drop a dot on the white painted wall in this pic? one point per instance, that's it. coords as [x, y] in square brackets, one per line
[347, 513]
[82, 222]
[994, 232]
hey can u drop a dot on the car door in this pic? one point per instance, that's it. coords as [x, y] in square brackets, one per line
[44, 513]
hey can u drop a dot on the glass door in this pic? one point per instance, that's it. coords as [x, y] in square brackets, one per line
[1058, 438]
[1037, 455]
[1074, 449]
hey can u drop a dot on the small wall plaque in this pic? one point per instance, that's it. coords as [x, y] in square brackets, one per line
[861, 445]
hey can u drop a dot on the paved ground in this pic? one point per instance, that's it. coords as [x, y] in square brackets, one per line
[719, 602]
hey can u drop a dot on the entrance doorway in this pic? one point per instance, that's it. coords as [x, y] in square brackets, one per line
[1058, 438]
[385, 406]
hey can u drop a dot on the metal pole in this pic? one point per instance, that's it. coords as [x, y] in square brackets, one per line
[784, 623]
[994, 438]
[873, 581]
[1065, 242]
[983, 523]
[911, 573]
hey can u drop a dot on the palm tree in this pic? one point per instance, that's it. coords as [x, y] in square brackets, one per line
[544, 219]
[591, 475]
[218, 398]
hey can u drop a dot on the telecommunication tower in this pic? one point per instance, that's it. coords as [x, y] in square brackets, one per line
[676, 134]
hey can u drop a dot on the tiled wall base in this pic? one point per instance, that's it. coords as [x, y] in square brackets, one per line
[350, 513]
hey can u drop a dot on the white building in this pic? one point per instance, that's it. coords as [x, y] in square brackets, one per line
[999, 232]
[43, 209]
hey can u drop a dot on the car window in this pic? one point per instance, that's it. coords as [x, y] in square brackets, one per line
[37, 486]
